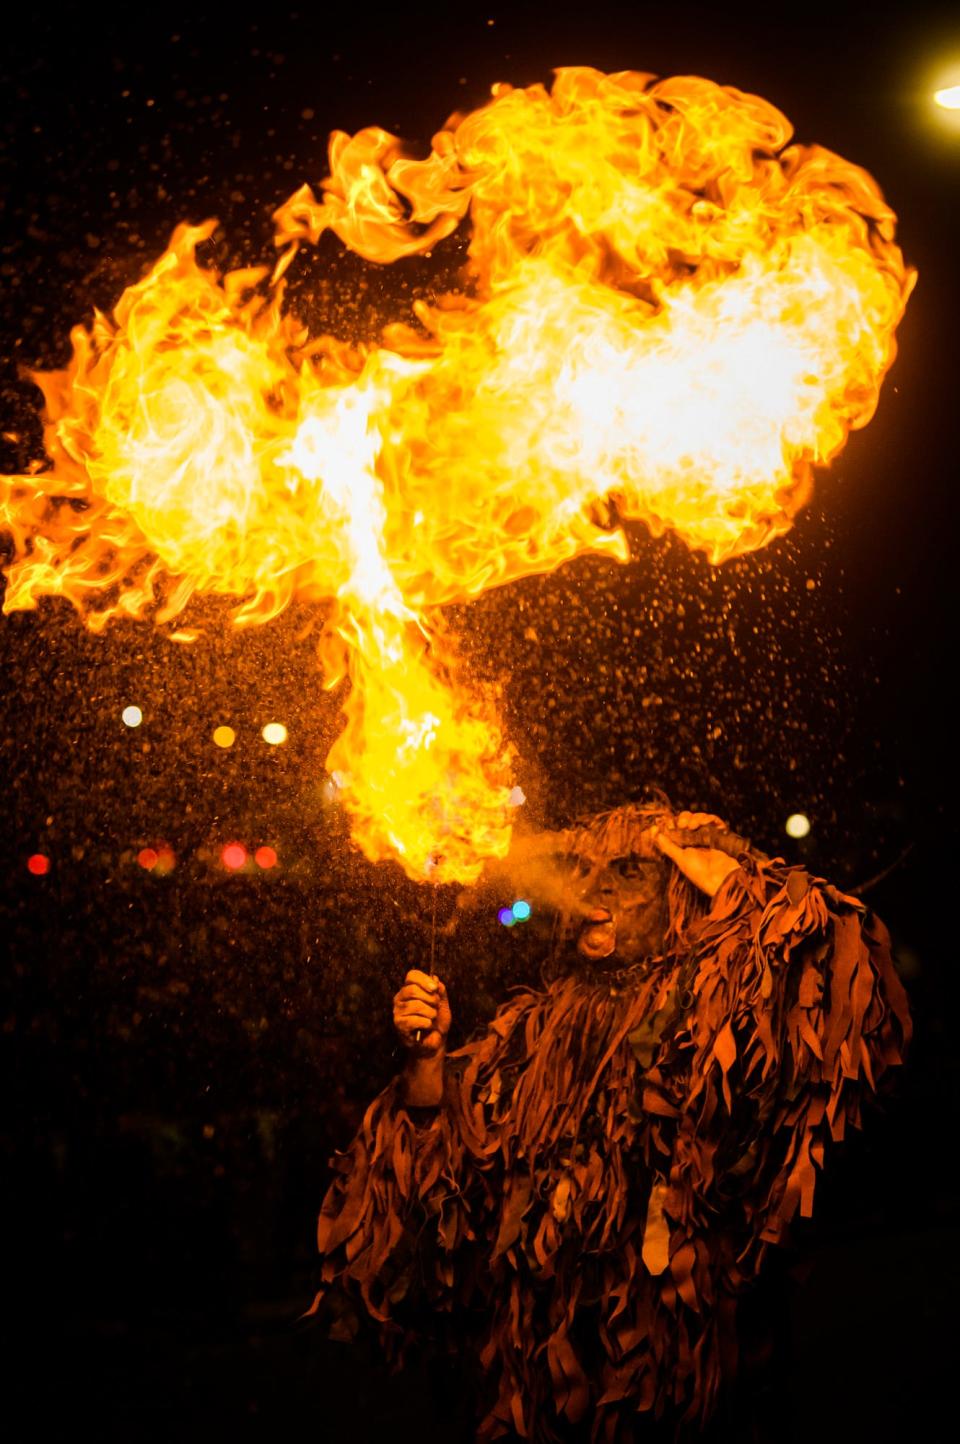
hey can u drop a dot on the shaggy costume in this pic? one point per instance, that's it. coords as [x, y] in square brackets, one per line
[613, 1157]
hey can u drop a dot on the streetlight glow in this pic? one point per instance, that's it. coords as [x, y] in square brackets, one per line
[948, 98]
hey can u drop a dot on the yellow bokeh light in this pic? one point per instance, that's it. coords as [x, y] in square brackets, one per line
[948, 97]
[275, 733]
[131, 716]
[224, 736]
[797, 825]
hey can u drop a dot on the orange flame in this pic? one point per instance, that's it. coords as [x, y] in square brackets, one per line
[667, 314]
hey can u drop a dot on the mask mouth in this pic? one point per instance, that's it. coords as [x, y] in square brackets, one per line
[598, 934]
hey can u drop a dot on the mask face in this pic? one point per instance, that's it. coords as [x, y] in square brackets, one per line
[618, 904]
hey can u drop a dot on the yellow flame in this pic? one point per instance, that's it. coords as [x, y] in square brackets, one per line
[668, 313]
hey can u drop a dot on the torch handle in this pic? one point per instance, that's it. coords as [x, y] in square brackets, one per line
[720, 838]
[416, 1036]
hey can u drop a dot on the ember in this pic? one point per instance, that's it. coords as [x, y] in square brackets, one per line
[668, 314]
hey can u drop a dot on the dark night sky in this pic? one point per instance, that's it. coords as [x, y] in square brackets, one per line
[187, 1051]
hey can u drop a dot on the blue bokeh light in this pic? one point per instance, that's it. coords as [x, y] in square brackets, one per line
[506, 917]
[521, 910]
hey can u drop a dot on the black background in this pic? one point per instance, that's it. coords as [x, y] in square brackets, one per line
[185, 1052]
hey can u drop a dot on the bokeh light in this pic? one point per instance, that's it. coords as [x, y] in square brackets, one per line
[147, 858]
[265, 857]
[38, 864]
[275, 733]
[224, 736]
[797, 825]
[521, 910]
[233, 856]
[131, 716]
[506, 917]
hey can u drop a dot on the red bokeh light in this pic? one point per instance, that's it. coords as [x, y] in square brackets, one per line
[234, 855]
[38, 864]
[147, 858]
[265, 857]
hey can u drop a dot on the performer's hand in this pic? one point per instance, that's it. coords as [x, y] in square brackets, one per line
[702, 847]
[421, 1006]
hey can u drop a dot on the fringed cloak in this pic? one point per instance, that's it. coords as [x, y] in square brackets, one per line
[613, 1157]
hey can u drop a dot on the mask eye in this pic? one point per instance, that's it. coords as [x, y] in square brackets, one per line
[580, 866]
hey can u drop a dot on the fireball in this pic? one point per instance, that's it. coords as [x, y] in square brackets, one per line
[668, 313]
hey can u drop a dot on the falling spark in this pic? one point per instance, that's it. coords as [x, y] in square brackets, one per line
[669, 313]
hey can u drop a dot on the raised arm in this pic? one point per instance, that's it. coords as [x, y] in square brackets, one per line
[703, 848]
[796, 1013]
[421, 1016]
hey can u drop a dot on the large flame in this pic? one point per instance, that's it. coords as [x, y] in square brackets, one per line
[665, 315]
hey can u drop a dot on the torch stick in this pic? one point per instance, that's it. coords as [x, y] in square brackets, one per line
[433, 948]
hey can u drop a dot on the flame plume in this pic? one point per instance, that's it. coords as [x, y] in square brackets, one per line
[668, 313]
